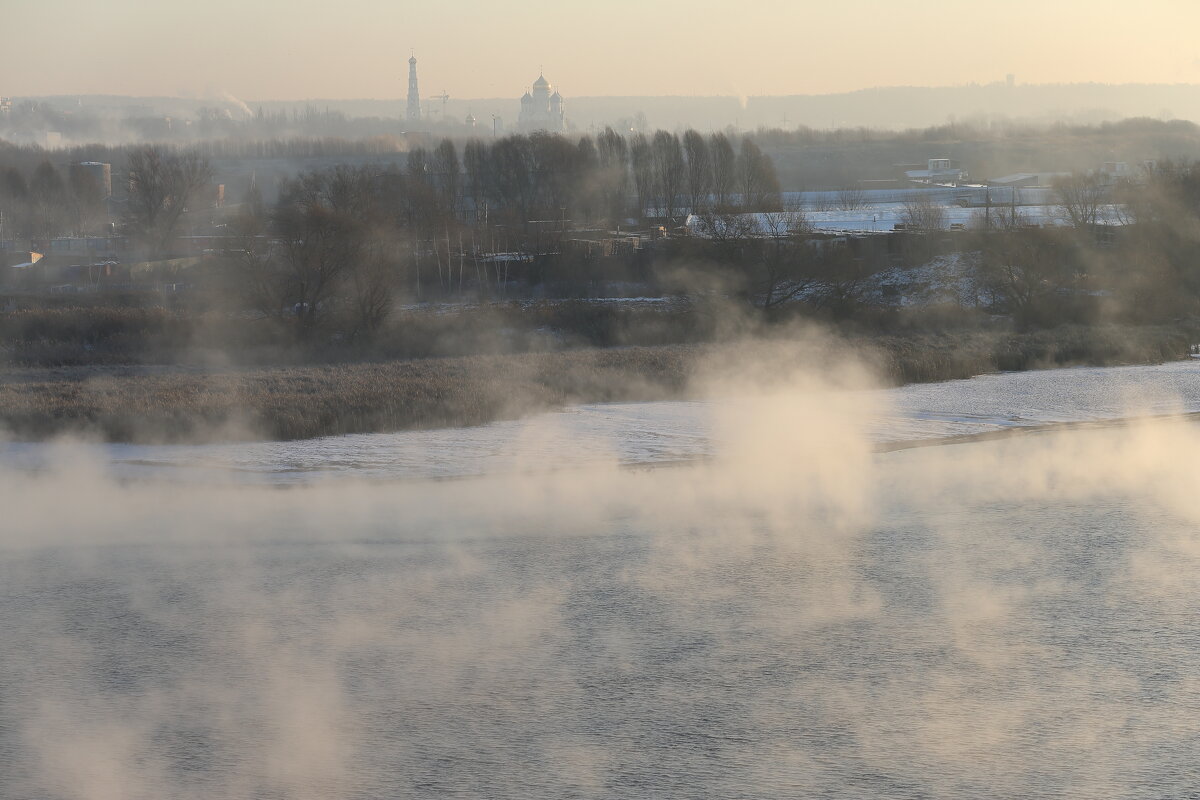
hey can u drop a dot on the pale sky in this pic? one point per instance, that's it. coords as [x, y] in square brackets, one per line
[297, 49]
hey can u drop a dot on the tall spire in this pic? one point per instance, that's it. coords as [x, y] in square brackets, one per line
[414, 96]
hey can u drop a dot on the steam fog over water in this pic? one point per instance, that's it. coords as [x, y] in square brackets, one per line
[653, 433]
[795, 615]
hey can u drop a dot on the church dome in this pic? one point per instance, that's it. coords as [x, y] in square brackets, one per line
[526, 98]
[541, 83]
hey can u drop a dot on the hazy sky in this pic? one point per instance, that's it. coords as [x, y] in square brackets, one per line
[295, 49]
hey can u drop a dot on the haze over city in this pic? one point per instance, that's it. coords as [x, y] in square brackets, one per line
[260, 50]
[676, 400]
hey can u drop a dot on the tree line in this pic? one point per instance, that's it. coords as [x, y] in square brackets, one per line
[346, 242]
[602, 180]
[46, 203]
[349, 239]
[1128, 251]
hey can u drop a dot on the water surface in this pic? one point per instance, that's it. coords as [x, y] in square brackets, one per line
[804, 618]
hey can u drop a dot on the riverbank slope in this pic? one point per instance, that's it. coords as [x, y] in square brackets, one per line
[148, 403]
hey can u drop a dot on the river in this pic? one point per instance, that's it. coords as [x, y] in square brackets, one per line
[653, 433]
[794, 608]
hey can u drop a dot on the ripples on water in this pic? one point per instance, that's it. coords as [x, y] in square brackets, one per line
[667, 634]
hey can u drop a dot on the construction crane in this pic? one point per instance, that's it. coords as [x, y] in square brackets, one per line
[443, 97]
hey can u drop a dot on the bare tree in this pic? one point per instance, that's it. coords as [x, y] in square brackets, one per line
[999, 218]
[1026, 267]
[786, 264]
[161, 185]
[14, 204]
[586, 189]
[1080, 199]
[841, 277]
[921, 219]
[511, 184]
[369, 235]
[922, 214]
[613, 155]
[374, 278]
[87, 202]
[476, 164]
[48, 201]
[256, 272]
[555, 169]
[724, 169]
[699, 169]
[727, 230]
[445, 166]
[852, 198]
[320, 238]
[767, 255]
[669, 170]
[642, 165]
[787, 222]
[757, 180]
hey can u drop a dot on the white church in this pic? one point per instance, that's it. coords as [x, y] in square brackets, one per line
[541, 110]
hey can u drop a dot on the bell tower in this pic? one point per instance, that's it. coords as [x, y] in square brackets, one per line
[414, 96]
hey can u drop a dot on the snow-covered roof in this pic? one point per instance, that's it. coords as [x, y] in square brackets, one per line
[1014, 178]
[932, 174]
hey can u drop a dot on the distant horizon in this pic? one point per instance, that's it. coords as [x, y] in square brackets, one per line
[880, 107]
[226, 97]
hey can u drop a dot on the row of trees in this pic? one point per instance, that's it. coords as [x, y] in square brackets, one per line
[1085, 269]
[47, 204]
[590, 180]
[351, 237]
[603, 181]
[161, 186]
[1146, 269]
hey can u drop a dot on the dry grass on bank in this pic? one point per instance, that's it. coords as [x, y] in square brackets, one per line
[300, 402]
[176, 404]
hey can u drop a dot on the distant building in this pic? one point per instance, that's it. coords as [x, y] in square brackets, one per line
[1022, 180]
[541, 110]
[1115, 170]
[414, 96]
[939, 170]
[470, 121]
[5, 105]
